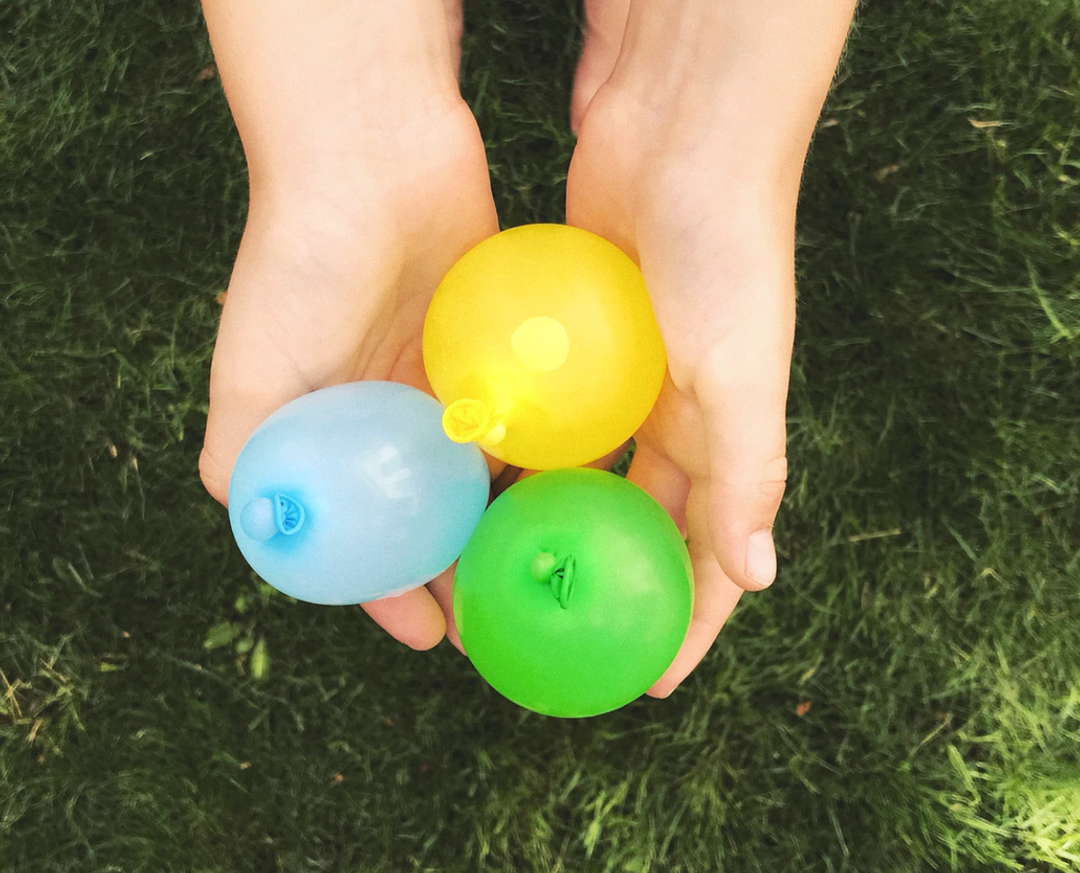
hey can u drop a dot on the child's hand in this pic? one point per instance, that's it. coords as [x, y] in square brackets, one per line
[719, 266]
[689, 159]
[368, 180]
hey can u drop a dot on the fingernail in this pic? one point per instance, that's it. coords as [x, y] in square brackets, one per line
[761, 558]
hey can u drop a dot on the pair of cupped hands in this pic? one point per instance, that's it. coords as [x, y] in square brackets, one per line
[369, 182]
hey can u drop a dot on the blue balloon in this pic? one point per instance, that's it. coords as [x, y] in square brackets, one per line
[355, 492]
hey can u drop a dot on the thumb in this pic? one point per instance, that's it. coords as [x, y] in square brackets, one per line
[742, 390]
[250, 377]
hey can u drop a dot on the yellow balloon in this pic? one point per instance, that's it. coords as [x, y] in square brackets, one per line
[543, 347]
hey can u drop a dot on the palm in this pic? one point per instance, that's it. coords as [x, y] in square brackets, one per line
[331, 284]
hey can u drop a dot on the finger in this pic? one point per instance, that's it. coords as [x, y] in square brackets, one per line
[414, 618]
[742, 389]
[662, 479]
[610, 459]
[442, 589]
[715, 599]
[496, 468]
[506, 477]
[715, 596]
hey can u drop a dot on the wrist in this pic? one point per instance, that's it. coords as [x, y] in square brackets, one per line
[746, 78]
[383, 178]
[305, 84]
[362, 151]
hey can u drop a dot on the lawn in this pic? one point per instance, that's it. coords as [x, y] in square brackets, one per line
[905, 698]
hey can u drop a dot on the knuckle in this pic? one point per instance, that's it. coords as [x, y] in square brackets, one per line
[773, 481]
[774, 474]
[770, 477]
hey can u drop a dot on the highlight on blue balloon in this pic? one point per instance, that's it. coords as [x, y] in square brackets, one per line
[355, 492]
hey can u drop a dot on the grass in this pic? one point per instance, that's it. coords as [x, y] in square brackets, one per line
[907, 698]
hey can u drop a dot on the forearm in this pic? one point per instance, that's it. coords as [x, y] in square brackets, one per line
[754, 73]
[303, 78]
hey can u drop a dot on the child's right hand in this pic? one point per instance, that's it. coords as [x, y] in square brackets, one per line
[368, 181]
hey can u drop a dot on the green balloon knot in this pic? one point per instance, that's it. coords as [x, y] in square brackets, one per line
[545, 567]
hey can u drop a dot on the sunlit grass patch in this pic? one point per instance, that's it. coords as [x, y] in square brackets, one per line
[904, 699]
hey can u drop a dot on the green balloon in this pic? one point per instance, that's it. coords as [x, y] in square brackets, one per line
[574, 593]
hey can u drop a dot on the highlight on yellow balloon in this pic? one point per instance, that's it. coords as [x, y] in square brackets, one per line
[542, 345]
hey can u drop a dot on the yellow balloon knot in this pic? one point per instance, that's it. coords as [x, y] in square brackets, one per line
[468, 421]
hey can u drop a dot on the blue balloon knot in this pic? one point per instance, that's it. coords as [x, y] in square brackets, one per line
[288, 514]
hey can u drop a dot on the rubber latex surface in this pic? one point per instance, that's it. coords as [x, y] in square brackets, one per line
[542, 343]
[574, 594]
[354, 492]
